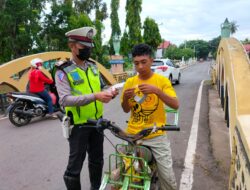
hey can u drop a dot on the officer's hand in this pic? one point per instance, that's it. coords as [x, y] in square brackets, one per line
[114, 92]
[104, 96]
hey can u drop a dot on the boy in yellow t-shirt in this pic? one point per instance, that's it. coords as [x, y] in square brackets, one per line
[144, 95]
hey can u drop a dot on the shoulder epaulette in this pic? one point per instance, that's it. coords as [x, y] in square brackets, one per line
[91, 62]
[63, 64]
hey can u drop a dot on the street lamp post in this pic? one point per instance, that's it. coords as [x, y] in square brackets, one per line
[194, 53]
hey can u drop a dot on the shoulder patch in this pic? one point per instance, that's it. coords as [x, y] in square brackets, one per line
[60, 75]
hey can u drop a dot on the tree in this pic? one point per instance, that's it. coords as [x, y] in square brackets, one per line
[133, 21]
[234, 27]
[56, 24]
[2, 4]
[125, 48]
[175, 53]
[246, 41]
[213, 45]
[85, 6]
[201, 47]
[115, 27]
[19, 27]
[171, 52]
[100, 15]
[151, 33]
[186, 53]
[26, 29]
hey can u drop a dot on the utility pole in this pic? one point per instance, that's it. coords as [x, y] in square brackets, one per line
[194, 52]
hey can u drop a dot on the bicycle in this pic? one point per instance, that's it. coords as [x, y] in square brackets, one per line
[132, 166]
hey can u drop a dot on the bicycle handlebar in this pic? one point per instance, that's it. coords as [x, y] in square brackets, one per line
[103, 124]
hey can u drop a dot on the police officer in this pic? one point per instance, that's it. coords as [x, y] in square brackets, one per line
[79, 87]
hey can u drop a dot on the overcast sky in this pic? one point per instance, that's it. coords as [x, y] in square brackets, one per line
[181, 20]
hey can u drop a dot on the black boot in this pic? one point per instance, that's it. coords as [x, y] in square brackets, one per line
[72, 183]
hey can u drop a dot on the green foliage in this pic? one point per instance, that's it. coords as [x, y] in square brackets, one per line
[125, 48]
[234, 27]
[186, 53]
[56, 24]
[151, 33]
[213, 45]
[133, 21]
[100, 10]
[81, 20]
[85, 6]
[105, 61]
[200, 47]
[100, 15]
[19, 27]
[26, 29]
[128, 64]
[175, 53]
[171, 52]
[246, 41]
[115, 27]
[111, 47]
[97, 51]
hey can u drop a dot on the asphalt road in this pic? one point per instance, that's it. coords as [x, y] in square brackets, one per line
[34, 157]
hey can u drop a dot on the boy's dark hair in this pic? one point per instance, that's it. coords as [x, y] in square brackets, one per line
[142, 49]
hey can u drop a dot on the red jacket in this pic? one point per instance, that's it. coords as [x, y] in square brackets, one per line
[37, 80]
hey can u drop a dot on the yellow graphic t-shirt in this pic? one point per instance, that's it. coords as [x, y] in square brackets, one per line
[150, 110]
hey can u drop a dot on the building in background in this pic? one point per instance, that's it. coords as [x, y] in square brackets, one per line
[161, 49]
[247, 48]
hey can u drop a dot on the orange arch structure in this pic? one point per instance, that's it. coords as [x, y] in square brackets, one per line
[14, 74]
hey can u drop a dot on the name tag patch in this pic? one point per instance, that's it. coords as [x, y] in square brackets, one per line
[76, 78]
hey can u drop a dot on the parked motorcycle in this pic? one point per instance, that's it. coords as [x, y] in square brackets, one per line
[26, 106]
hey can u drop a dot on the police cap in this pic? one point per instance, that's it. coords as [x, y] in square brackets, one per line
[82, 35]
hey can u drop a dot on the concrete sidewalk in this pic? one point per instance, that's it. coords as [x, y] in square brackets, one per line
[219, 133]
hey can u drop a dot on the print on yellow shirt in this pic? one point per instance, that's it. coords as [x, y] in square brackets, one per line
[151, 111]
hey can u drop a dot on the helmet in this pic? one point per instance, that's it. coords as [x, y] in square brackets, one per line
[37, 62]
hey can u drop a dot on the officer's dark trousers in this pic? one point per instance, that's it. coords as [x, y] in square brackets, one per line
[84, 140]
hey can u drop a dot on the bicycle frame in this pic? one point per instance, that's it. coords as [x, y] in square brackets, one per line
[128, 175]
[129, 169]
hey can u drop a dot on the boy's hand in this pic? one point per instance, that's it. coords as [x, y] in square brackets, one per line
[129, 93]
[148, 89]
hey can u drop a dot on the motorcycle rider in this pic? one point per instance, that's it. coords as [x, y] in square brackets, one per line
[37, 81]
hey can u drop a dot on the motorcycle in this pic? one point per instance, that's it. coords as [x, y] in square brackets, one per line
[25, 106]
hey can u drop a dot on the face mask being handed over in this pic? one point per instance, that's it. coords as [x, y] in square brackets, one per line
[84, 53]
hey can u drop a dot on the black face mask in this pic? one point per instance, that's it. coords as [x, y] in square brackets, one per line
[84, 53]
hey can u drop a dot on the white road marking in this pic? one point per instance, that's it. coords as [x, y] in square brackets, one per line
[3, 118]
[186, 182]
